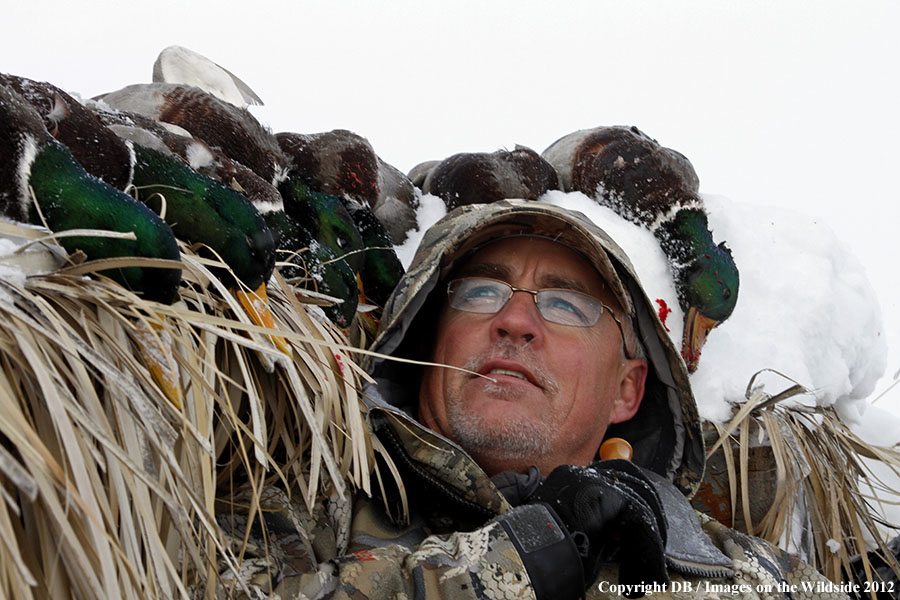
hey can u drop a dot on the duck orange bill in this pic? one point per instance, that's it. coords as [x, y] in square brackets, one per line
[360, 288]
[366, 318]
[696, 327]
[256, 304]
[156, 350]
[369, 322]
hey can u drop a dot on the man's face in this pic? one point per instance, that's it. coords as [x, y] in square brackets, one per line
[549, 390]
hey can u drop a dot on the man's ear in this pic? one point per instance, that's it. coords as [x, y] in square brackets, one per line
[632, 377]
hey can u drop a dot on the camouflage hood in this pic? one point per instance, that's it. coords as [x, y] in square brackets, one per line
[665, 433]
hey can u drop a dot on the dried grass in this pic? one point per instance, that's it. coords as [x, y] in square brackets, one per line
[108, 489]
[820, 473]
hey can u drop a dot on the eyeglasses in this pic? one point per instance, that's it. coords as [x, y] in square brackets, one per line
[566, 307]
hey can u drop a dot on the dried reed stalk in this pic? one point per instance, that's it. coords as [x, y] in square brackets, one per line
[822, 482]
[108, 490]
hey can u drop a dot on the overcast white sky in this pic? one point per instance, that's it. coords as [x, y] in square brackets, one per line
[789, 103]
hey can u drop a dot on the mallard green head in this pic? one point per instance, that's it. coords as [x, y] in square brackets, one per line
[70, 202]
[344, 164]
[334, 277]
[316, 264]
[382, 269]
[706, 277]
[200, 210]
[325, 218]
[711, 283]
[32, 162]
[221, 221]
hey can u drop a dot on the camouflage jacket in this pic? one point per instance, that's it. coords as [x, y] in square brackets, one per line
[453, 544]
[460, 539]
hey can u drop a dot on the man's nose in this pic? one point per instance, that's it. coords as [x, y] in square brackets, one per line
[519, 321]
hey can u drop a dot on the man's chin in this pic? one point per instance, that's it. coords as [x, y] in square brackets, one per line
[499, 427]
[499, 410]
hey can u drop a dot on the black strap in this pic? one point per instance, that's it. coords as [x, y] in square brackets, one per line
[547, 550]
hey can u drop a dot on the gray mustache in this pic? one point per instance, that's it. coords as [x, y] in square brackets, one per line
[522, 354]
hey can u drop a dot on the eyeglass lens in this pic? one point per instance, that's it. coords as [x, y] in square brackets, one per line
[488, 296]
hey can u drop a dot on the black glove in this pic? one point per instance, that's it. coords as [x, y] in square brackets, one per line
[615, 511]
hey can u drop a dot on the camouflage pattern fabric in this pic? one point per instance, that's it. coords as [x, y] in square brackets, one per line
[467, 227]
[350, 548]
[452, 546]
[299, 556]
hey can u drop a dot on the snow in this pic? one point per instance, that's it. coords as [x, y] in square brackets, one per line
[11, 275]
[12, 271]
[7, 246]
[806, 307]
[767, 103]
[431, 209]
[806, 119]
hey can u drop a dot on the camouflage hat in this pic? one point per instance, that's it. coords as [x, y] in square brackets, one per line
[502, 225]
[666, 432]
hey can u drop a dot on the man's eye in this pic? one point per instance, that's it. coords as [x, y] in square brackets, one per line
[481, 292]
[564, 305]
[562, 309]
